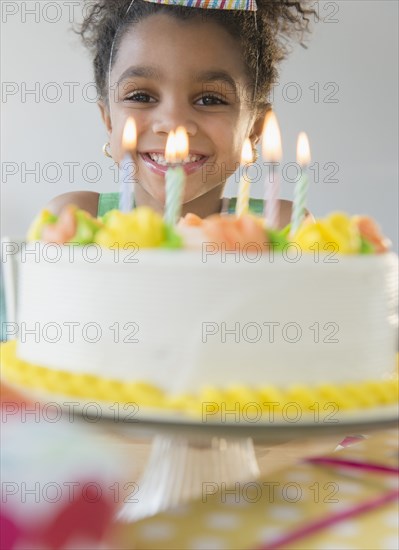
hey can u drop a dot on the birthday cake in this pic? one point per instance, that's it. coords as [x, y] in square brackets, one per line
[127, 308]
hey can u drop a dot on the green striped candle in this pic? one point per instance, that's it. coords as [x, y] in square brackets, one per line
[175, 178]
[301, 188]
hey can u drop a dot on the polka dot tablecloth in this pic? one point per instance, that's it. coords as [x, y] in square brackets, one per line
[260, 515]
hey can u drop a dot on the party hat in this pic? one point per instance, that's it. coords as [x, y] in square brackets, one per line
[244, 5]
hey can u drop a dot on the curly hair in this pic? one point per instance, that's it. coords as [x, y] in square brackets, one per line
[264, 40]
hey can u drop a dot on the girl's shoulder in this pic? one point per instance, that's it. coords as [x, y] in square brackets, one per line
[85, 200]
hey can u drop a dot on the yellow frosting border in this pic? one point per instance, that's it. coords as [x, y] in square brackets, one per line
[368, 394]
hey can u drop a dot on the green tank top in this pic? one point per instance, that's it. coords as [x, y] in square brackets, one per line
[110, 201]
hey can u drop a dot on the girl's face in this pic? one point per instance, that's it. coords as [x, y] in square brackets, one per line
[171, 73]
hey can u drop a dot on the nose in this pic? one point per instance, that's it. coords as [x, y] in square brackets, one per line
[169, 117]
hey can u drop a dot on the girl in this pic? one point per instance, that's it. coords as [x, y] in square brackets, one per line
[209, 70]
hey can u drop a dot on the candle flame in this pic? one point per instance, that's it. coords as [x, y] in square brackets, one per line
[129, 138]
[181, 143]
[176, 146]
[170, 150]
[271, 142]
[246, 152]
[303, 150]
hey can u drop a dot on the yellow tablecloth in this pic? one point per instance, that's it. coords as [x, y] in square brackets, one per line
[254, 514]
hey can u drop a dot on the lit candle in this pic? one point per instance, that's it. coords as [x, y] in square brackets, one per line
[245, 183]
[176, 151]
[301, 188]
[272, 152]
[126, 167]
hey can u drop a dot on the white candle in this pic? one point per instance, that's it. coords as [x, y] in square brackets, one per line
[245, 183]
[127, 167]
[301, 188]
[272, 152]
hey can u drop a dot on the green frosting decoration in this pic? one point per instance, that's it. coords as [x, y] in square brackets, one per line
[279, 238]
[172, 239]
[366, 247]
[86, 228]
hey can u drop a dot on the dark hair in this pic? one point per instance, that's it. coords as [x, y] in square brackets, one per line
[264, 42]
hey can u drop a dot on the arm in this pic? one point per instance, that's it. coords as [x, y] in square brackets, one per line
[85, 200]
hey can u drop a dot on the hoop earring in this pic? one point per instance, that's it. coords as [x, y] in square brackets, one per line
[106, 150]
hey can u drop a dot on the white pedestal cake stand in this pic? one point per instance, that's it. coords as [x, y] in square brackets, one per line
[179, 469]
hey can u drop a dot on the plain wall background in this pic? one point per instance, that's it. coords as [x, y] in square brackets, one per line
[342, 91]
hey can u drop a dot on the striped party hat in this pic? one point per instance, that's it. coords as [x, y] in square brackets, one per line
[244, 5]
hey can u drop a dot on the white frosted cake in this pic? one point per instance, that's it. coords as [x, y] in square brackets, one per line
[174, 327]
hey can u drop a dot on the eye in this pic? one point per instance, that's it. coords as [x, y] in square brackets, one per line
[210, 99]
[140, 97]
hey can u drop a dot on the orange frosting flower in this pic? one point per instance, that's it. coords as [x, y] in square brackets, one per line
[190, 220]
[370, 231]
[232, 232]
[64, 229]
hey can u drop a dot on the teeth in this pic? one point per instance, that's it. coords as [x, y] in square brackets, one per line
[192, 158]
[160, 159]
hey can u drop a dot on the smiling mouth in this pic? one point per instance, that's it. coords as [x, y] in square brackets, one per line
[158, 163]
[161, 160]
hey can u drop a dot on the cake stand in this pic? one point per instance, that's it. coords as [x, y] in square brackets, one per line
[190, 458]
[182, 468]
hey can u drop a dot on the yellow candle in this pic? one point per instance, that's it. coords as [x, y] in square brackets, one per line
[245, 183]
